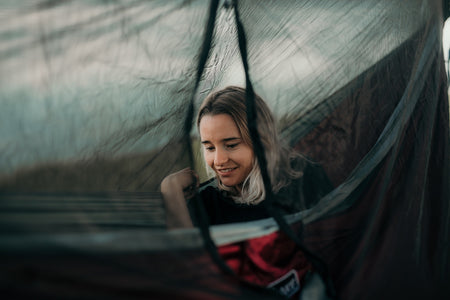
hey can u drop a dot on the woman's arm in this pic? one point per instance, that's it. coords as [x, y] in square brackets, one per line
[176, 189]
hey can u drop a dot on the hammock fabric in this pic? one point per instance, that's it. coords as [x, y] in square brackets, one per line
[98, 101]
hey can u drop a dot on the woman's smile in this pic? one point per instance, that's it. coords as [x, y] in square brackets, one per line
[225, 172]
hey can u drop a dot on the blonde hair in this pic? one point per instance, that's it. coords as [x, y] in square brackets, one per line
[231, 101]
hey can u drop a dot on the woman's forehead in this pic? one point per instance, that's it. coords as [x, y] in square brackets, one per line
[218, 127]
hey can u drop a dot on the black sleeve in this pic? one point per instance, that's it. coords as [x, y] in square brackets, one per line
[304, 192]
[316, 184]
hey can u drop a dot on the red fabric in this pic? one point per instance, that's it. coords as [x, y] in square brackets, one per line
[265, 259]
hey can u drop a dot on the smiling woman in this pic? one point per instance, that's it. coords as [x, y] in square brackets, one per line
[237, 192]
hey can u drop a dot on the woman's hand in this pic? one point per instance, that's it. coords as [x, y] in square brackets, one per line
[185, 180]
[176, 189]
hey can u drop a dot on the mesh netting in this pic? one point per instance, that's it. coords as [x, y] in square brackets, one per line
[98, 100]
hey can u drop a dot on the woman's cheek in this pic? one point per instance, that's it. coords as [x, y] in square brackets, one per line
[209, 159]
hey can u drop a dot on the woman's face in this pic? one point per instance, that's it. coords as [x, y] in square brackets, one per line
[225, 151]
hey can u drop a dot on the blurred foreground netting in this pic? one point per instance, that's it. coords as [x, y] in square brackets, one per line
[67, 213]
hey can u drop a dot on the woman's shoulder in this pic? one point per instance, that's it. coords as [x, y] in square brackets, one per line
[307, 188]
[309, 168]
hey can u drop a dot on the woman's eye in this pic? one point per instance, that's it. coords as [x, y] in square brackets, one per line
[209, 148]
[231, 146]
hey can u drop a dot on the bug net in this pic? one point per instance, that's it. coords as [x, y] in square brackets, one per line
[97, 106]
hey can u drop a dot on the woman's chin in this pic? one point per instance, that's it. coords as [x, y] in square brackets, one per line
[231, 183]
[227, 183]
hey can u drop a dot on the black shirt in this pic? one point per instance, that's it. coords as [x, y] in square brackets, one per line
[300, 194]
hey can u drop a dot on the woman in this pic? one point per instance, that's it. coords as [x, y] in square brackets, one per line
[237, 192]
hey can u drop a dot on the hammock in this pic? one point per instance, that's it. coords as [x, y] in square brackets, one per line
[98, 101]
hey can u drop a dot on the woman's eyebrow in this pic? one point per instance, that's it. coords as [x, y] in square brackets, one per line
[231, 139]
[224, 140]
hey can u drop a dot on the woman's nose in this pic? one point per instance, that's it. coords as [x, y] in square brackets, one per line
[221, 157]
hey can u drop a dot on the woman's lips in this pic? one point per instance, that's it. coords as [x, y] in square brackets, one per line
[225, 171]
